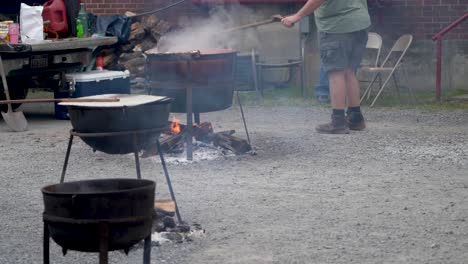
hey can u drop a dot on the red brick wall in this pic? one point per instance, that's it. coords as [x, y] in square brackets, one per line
[422, 18]
[112, 7]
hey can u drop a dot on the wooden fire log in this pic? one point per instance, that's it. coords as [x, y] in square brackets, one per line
[174, 143]
[137, 32]
[134, 63]
[129, 56]
[147, 44]
[202, 132]
[228, 141]
[110, 59]
[149, 22]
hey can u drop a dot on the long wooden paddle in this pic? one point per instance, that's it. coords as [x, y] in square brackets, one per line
[60, 100]
[274, 18]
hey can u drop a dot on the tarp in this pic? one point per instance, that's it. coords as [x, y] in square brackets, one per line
[117, 26]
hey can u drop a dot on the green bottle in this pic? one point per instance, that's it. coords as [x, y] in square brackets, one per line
[82, 22]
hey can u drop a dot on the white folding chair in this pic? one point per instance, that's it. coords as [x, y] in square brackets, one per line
[401, 46]
[374, 48]
[374, 42]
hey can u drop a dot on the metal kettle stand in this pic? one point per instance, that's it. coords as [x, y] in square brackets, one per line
[189, 110]
[104, 226]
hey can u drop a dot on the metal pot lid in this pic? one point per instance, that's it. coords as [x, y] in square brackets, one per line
[97, 76]
[125, 100]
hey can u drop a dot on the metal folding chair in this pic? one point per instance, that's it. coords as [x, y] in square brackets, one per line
[278, 66]
[374, 45]
[297, 64]
[401, 46]
[374, 42]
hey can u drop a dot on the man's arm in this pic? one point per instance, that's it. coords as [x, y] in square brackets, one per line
[306, 10]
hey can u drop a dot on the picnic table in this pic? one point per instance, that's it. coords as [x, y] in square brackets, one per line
[44, 64]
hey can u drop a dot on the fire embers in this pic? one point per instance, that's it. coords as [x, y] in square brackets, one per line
[165, 229]
[173, 140]
[164, 221]
[175, 126]
[194, 232]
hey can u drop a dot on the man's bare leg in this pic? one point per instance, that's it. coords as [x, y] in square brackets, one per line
[338, 89]
[353, 88]
[354, 118]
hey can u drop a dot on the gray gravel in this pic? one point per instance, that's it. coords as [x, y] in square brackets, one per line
[394, 193]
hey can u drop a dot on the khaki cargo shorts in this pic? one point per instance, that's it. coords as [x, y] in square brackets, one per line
[340, 51]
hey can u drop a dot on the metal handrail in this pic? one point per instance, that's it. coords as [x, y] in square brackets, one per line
[438, 37]
[450, 27]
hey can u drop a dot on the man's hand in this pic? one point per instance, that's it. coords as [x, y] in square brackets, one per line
[306, 10]
[289, 21]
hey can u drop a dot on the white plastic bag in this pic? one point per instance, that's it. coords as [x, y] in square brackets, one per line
[31, 24]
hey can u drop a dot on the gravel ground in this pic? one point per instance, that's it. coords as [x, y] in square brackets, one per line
[394, 193]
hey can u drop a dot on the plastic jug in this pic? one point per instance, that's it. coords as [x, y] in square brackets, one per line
[55, 12]
[82, 25]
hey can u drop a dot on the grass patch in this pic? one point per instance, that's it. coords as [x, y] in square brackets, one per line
[424, 100]
[284, 96]
[291, 96]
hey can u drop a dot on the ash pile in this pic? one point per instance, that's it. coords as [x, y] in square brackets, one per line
[167, 230]
[224, 143]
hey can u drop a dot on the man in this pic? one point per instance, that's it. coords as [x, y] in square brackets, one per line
[322, 88]
[342, 25]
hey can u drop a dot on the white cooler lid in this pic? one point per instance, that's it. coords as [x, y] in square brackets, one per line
[96, 76]
[126, 100]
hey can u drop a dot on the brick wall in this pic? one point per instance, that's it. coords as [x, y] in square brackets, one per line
[112, 7]
[422, 18]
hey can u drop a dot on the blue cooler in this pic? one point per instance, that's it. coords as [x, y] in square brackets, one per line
[92, 83]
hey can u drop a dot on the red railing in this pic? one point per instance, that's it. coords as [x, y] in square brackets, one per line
[223, 2]
[438, 37]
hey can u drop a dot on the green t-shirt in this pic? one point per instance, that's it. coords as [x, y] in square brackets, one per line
[342, 16]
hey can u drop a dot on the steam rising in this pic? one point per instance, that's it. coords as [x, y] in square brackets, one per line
[210, 33]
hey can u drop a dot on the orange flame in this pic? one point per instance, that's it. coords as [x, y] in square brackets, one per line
[175, 125]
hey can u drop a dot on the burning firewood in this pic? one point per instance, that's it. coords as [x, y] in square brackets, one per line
[165, 206]
[202, 132]
[228, 141]
[174, 141]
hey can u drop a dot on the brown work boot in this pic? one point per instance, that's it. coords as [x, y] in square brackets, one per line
[355, 121]
[336, 126]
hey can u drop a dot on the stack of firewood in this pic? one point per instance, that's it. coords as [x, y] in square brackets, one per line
[145, 34]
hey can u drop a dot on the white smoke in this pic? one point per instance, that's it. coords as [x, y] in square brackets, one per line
[210, 33]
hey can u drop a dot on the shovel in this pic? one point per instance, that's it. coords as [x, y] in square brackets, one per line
[15, 120]
[274, 18]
